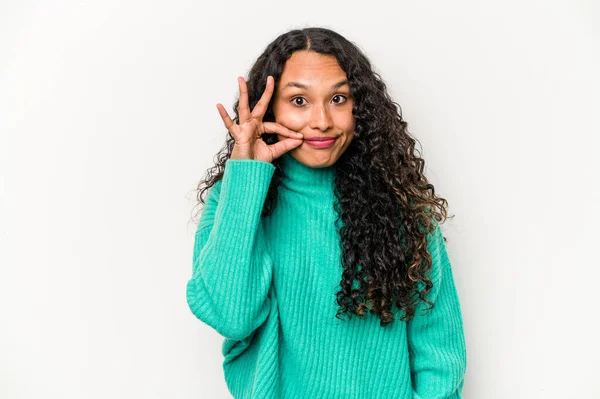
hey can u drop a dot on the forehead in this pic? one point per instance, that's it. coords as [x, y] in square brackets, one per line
[311, 68]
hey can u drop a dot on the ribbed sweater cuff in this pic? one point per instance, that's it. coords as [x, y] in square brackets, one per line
[243, 193]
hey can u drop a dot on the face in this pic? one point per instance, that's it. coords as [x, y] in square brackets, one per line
[313, 98]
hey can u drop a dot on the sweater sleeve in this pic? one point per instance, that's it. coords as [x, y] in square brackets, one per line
[232, 271]
[436, 340]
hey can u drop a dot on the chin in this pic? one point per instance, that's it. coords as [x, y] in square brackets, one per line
[312, 158]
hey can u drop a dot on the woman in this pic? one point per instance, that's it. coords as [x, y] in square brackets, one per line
[317, 211]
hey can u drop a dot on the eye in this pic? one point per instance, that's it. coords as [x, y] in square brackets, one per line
[297, 98]
[341, 100]
[340, 96]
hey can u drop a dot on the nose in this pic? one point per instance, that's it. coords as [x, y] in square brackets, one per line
[320, 118]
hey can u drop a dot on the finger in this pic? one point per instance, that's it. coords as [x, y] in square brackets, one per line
[283, 146]
[229, 124]
[243, 107]
[261, 107]
[273, 127]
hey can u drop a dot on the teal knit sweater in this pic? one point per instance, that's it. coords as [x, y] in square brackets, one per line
[268, 284]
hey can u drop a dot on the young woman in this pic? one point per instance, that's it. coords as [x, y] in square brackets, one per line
[317, 211]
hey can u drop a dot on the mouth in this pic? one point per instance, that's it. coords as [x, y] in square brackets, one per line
[321, 142]
[321, 138]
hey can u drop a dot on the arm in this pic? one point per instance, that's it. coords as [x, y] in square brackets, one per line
[436, 339]
[232, 270]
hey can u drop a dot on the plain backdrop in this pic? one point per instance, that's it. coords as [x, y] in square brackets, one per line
[108, 122]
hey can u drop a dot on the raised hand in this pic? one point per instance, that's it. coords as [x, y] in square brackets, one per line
[247, 135]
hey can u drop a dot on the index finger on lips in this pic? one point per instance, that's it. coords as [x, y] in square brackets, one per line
[272, 127]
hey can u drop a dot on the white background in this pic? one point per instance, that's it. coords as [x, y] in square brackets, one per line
[108, 122]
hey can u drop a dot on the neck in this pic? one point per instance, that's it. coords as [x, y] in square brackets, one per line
[306, 179]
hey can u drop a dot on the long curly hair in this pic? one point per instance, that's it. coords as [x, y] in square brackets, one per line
[385, 203]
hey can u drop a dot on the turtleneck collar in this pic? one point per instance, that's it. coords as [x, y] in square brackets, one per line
[305, 179]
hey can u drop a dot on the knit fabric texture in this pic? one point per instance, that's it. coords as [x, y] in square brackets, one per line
[268, 285]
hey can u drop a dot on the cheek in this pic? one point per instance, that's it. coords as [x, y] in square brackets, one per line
[291, 120]
[348, 137]
[346, 123]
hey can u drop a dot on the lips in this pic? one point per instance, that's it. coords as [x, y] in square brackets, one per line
[321, 138]
[321, 142]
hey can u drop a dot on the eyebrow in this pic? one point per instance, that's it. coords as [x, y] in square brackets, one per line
[305, 87]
